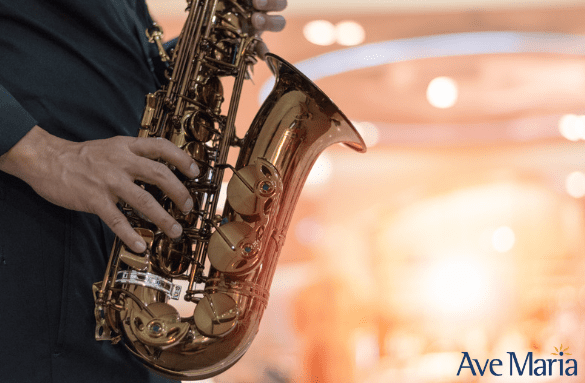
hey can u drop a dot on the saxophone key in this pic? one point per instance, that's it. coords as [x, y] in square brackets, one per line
[159, 326]
[253, 189]
[216, 315]
[172, 257]
[234, 248]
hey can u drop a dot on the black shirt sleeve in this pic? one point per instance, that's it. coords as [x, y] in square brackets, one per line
[15, 121]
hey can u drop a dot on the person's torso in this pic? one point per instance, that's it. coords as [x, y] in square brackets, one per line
[79, 67]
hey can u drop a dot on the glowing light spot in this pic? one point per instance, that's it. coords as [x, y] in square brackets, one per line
[321, 171]
[349, 33]
[572, 127]
[457, 286]
[442, 92]
[368, 131]
[320, 32]
[575, 184]
[503, 239]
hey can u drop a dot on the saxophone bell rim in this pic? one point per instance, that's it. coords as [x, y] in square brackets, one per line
[276, 65]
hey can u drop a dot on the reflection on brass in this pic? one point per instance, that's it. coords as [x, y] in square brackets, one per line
[253, 190]
[171, 255]
[293, 126]
[234, 248]
[184, 219]
[198, 152]
[148, 114]
[216, 315]
[158, 326]
[136, 261]
[198, 126]
[155, 35]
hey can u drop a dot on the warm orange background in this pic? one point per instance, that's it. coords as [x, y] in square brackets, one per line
[391, 266]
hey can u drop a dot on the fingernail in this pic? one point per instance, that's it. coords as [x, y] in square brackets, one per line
[278, 24]
[140, 246]
[194, 170]
[261, 50]
[176, 230]
[188, 206]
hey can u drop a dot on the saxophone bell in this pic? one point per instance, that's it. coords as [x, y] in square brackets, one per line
[228, 261]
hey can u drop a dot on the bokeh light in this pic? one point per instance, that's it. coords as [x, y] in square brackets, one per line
[503, 239]
[457, 286]
[442, 92]
[575, 184]
[349, 33]
[320, 32]
[572, 127]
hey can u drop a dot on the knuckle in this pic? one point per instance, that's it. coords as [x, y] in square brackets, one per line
[112, 180]
[160, 171]
[117, 221]
[116, 184]
[144, 199]
[136, 141]
[164, 148]
[161, 142]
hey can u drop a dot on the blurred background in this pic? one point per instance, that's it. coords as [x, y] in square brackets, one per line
[462, 228]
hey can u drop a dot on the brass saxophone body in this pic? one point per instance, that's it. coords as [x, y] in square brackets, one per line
[226, 262]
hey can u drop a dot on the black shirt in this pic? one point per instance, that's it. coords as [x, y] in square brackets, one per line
[80, 69]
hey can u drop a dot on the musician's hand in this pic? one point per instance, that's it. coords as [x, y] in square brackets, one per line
[264, 22]
[93, 176]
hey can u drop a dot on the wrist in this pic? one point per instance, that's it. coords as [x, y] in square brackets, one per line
[29, 155]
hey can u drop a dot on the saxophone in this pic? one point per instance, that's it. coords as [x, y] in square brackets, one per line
[225, 262]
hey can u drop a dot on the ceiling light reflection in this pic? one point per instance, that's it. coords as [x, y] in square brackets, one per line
[349, 33]
[320, 32]
[442, 92]
[442, 45]
[416, 48]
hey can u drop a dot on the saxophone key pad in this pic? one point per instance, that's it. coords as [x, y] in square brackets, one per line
[216, 314]
[234, 248]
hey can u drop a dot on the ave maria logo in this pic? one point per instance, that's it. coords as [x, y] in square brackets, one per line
[561, 364]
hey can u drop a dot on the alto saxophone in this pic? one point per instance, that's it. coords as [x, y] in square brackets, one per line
[226, 261]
